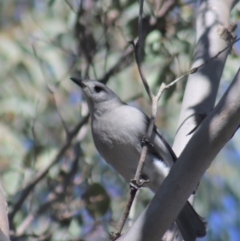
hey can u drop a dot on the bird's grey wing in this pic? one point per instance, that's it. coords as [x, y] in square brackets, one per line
[162, 149]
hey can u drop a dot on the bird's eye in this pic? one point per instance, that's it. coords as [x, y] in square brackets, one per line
[98, 89]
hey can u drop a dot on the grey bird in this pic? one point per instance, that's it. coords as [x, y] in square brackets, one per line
[118, 130]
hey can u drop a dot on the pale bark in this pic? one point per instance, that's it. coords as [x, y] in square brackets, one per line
[4, 228]
[214, 132]
[202, 87]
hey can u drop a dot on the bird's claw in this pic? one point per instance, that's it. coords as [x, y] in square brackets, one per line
[136, 185]
[145, 141]
[113, 236]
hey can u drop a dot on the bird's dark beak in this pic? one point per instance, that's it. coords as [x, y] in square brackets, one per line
[79, 82]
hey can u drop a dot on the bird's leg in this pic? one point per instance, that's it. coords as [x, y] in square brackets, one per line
[136, 185]
[146, 141]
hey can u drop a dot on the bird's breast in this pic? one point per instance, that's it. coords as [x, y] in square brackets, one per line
[124, 124]
[117, 136]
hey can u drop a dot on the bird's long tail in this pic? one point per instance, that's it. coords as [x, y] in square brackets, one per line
[190, 224]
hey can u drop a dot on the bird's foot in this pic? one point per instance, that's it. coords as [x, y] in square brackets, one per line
[146, 141]
[136, 185]
[113, 236]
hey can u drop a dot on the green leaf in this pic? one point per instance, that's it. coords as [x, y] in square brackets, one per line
[74, 228]
[11, 180]
[97, 200]
[51, 2]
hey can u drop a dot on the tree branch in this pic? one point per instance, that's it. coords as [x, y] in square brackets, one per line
[4, 227]
[42, 173]
[215, 131]
[202, 87]
[154, 101]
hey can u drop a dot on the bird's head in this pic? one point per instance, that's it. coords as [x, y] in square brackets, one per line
[99, 97]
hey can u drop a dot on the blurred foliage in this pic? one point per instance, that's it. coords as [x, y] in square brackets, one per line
[42, 44]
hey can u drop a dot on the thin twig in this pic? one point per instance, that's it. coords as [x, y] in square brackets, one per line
[154, 101]
[60, 116]
[140, 166]
[53, 196]
[132, 212]
[194, 70]
[34, 134]
[35, 145]
[70, 6]
[140, 31]
[133, 190]
[148, 134]
[33, 236]
[42, 173]
[123, 62]
[50, 90]
[144, 80]
[131, 196]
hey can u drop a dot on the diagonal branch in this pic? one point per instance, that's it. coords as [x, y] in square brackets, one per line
[154, 101]
[207, 141]
[42, 173]
[138, 61]
[214, 37]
